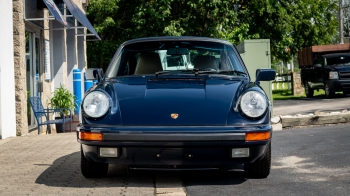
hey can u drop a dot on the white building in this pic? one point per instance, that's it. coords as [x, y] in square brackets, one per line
[41, 42]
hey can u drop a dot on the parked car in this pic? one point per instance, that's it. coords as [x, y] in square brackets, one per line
[145, 115]
[325, 67]
[330, 72]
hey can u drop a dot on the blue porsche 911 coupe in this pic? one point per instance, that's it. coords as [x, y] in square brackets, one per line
[176, 103]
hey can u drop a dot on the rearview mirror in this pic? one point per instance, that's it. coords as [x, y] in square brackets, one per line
[265, 75]
[94, 74]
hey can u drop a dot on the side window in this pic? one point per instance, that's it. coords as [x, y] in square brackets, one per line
[320, 61]
[126, 70]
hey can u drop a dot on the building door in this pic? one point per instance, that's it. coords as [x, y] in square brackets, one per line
[32, 70]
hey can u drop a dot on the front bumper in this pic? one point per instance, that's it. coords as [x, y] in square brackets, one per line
[199, 146]
[339, 85]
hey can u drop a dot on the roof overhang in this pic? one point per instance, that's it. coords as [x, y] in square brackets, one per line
[51, 5]
[81, 17]
[76, 13]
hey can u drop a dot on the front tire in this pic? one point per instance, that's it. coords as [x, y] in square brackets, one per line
[308, 91]
[91, 169]
[260, 168]
[328, 91]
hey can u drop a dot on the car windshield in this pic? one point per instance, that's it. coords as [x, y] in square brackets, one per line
[176, 57]
[338, 60]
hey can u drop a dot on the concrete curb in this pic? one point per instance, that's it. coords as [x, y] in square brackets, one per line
[277, 127]
[319, 118]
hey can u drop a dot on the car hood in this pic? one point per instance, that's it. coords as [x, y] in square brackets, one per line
[176, 101]
[340, 68]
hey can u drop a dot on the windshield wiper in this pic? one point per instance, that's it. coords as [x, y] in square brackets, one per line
[198, 71]
[170, 71]
[161, 72]
[203, 71]
[209, 70]
[232, 71]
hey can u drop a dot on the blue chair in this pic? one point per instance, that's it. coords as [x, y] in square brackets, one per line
[40, 111]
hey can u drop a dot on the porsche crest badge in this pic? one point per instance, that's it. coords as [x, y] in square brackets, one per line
[174, 115]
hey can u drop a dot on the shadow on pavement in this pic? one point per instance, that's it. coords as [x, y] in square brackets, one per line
[65, 172]
[213, 178]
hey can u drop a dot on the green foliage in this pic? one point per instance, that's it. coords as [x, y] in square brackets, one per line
[280, 69]
[63, 98]
[289, 24]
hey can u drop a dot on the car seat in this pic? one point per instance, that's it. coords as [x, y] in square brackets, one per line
[148, 63]
[205, 62]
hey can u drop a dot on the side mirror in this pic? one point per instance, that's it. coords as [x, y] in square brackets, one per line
[317, 66]
[94, 74]
[265, 75]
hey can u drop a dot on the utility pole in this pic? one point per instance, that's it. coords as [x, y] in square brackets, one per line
[341, 21]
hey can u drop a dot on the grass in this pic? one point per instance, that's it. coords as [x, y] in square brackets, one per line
[287, 94]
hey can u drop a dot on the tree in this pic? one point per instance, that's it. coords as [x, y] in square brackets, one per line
[119, 20]
[346, 20]
[289, 24]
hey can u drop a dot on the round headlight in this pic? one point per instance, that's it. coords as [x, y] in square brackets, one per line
[96, 104]
[253, 104]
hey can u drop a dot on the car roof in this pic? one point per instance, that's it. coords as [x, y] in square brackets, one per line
[336, 54]
[177, 38]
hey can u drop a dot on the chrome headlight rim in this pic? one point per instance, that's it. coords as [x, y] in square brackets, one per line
[262, 95]
[106, 111]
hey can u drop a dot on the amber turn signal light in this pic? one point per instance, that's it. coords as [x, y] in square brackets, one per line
[90, 136]
[257, 136]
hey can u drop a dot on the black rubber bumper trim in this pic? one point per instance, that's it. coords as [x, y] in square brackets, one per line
[174, 137]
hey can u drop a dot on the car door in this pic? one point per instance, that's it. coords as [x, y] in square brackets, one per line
[316, 79]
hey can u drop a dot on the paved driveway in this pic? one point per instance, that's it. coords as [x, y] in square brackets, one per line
[308, 105]
[308, 161]
[50, 165]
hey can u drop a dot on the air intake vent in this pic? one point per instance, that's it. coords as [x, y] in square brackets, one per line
[176, 83]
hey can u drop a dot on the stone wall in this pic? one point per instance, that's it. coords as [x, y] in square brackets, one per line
[20, 67]
[297, 87]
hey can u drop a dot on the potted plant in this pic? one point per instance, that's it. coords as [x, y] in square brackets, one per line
[62, 98]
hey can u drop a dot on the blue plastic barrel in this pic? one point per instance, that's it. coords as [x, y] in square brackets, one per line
[77, 88]
[87, 84]
[94, 82]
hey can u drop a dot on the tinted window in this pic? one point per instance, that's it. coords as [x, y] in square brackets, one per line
[150, 57]
[338, 60]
